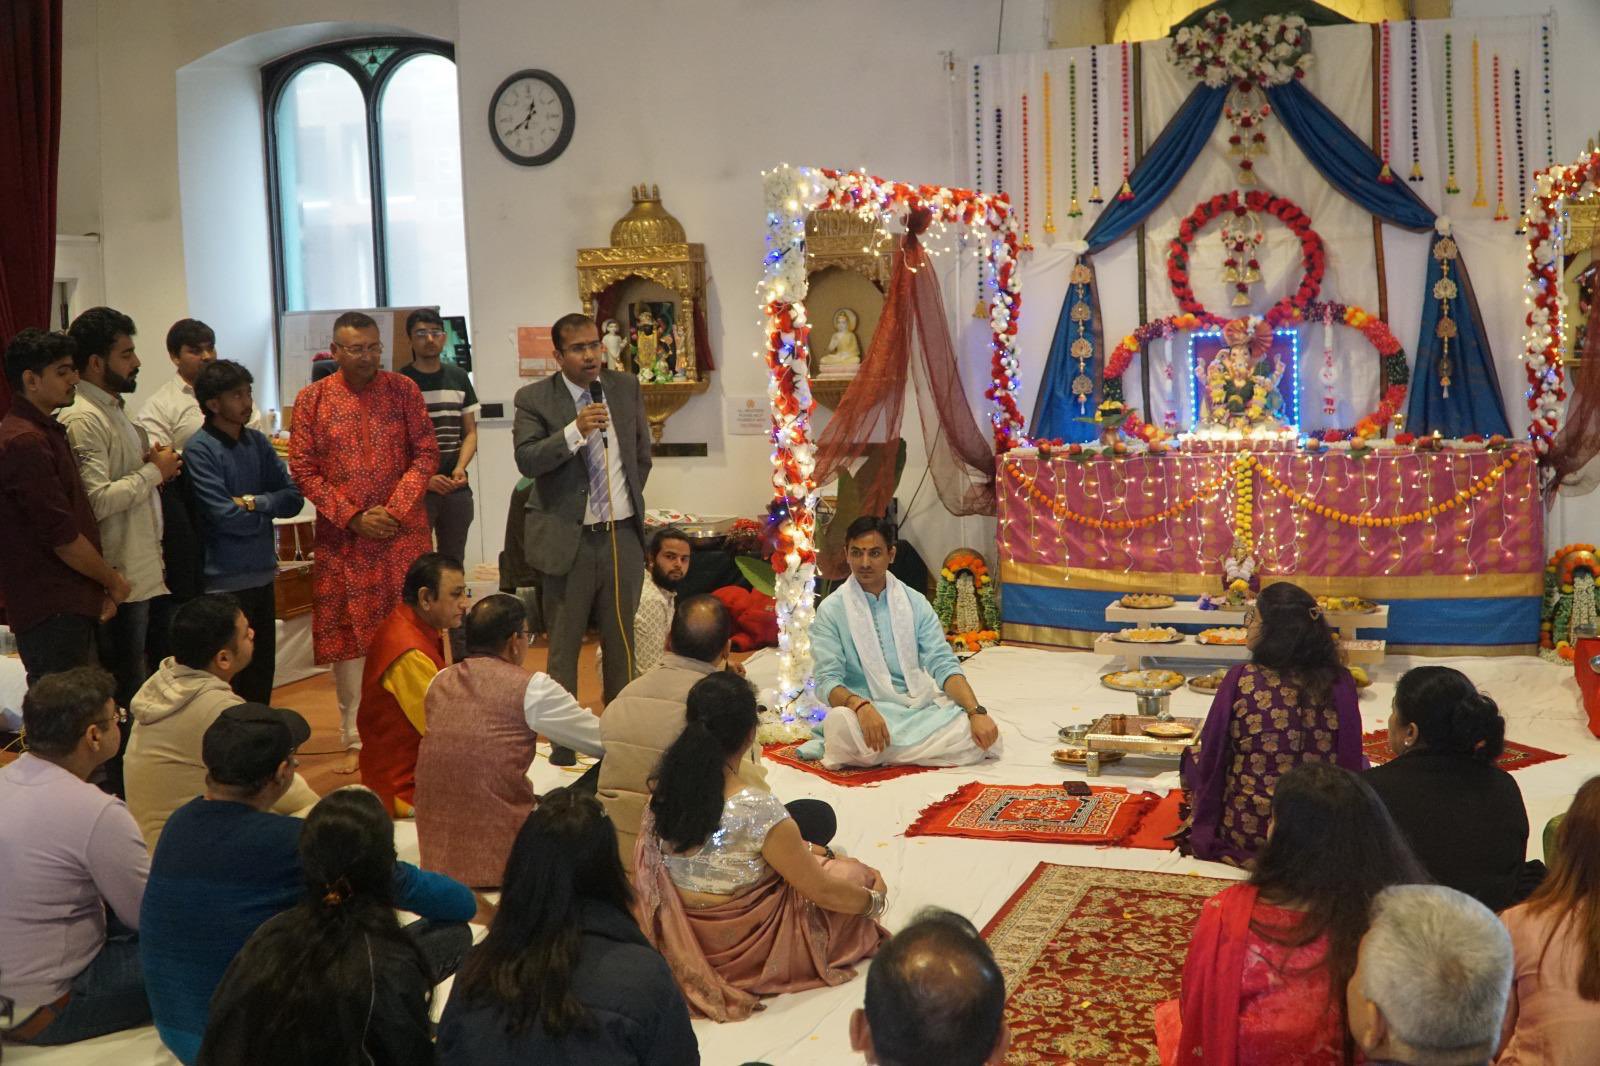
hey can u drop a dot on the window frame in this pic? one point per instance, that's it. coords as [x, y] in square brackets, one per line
[275, 79]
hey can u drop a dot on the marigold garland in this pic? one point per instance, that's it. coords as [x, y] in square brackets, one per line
[1306, 503]
[1118, 525]
[1312, 255]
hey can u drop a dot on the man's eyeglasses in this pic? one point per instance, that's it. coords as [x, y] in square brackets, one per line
[121, 718]
[585, 349]
[429, 334]
[363, 349]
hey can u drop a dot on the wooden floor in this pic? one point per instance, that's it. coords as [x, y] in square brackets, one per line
[315, 699]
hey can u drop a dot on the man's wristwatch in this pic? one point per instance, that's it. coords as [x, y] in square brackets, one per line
[979, 709]
[249, 502]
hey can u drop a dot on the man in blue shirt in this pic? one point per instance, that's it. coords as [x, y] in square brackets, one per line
[226, 864]
[239, 485]
[897, 693]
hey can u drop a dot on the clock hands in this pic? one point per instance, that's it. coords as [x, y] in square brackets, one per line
[533, 109]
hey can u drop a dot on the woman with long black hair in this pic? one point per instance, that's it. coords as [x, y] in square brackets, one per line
[1292, 703]
[1462, 814]
[727, 889]
[1264, 981]
[564, 975]
[336, 980]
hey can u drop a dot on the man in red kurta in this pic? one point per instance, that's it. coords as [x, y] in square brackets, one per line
[406, 653]
[362, 450]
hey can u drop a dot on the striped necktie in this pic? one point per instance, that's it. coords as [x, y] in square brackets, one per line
[594, 457]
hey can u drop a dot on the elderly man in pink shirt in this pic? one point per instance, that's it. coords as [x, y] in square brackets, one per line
[68, 852]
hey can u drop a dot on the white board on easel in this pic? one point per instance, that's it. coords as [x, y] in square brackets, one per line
[305, 333]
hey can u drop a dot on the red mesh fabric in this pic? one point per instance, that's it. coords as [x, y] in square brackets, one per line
[867, 422]
[1578, 440]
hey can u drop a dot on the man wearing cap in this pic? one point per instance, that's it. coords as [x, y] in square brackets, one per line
[226, 864]
[406, 654]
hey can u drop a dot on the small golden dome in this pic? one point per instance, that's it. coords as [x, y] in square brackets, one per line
[647, 223]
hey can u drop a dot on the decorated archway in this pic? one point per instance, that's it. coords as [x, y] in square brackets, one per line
[792, 194]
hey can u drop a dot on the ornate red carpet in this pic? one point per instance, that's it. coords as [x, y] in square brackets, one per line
[1087, 954]
[1046, 814]
[871, 775]
[1515, 757]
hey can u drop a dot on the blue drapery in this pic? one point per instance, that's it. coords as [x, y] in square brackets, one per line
[1152, 181]
[1474, 404]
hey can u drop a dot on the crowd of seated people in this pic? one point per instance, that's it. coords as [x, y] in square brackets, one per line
[670, 883]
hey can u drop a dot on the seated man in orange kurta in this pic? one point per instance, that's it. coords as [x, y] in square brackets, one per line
[405, 654]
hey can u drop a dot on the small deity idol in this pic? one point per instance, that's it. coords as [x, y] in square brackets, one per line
[611, 337]
[844, 349]
[1241, 382]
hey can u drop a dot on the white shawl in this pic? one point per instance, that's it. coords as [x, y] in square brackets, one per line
[903, 625]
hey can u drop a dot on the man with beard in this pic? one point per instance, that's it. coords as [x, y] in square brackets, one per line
[122, 474]
[668, 563]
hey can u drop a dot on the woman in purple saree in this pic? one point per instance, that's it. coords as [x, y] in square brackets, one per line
[1292, 703]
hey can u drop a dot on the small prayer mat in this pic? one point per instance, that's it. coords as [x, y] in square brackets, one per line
[1087, 953]
[850, 775]
[1045, 814]
[1515, 757]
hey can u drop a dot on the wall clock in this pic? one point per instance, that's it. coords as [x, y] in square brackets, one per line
[531, 118]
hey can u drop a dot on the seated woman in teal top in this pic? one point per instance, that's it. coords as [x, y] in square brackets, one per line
[886, 706]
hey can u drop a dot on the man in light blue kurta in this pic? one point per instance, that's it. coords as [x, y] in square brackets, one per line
[882, 662]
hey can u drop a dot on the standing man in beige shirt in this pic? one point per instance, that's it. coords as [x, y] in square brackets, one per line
[122, 475]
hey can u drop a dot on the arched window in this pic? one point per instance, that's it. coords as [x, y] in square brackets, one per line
[364, 149]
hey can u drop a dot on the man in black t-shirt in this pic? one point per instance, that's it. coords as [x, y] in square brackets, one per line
[453, 407]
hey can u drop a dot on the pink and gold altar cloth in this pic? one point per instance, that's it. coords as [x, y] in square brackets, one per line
[1462, 575]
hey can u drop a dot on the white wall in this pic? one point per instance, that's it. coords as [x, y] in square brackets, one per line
[724, 89]
[696, 97]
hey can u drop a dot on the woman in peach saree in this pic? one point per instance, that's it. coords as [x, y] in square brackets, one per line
[726, 889]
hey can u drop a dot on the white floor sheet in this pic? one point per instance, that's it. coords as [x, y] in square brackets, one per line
[1030, 692]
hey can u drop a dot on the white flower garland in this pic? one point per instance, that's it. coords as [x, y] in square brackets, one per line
[1274, 51]
[1542, 347]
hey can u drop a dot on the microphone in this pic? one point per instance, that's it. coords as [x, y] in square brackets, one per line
[598, 395]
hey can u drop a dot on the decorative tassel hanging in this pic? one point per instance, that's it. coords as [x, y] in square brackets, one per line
[1082, 350]
[1027, 183]
[979, 311]
[1126, 192]
[1074, 209]
[1451, 186]
[1522, 152]
[1500, 214]
[1049, 165]
[1478, 197]
[1094, 125]
[1444, 290]
[1544, 75]
[1411, 111]
[1330, 373]
[1385, 103]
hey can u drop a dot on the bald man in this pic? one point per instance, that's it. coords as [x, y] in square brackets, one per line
[934, 994]
[648, 714]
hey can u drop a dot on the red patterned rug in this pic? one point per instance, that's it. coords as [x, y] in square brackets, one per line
[1515, 757]
[1087, 954]
[1046, 814]
[867, 775]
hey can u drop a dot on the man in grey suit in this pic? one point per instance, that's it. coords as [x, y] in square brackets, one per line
[585, 517]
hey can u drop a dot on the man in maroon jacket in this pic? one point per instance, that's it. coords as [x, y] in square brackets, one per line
[55, 584]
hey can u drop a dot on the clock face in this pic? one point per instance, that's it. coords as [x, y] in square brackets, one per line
[531, 117]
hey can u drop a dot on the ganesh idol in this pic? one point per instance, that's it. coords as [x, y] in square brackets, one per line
[1240, 384]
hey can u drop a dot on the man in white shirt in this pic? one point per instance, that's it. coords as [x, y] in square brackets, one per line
[122, 474]
[582, 436]
[171, 416]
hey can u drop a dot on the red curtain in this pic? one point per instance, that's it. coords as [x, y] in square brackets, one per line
[30, 143]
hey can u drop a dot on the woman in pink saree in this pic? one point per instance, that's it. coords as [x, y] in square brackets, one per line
[726, 890]
[1264, 981]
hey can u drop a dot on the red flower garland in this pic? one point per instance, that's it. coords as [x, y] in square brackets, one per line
[1542, 347]
[1312, 255]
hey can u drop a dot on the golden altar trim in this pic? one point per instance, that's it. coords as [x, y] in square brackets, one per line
[1397, 587]
[650, 244]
